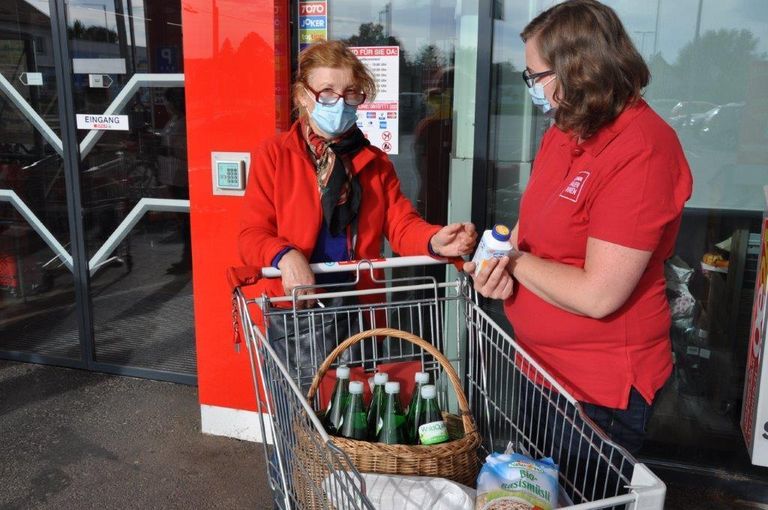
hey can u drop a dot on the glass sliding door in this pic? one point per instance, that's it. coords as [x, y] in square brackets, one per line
[127, 195]
[36, 285]
[128, 77]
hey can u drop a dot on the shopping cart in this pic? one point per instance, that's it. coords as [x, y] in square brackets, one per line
[513, 400]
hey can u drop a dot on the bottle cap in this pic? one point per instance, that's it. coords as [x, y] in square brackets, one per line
[342, 372]
[392, 387]
[501, 232]
[356, 388]
[421, 377]
[380, 378]
[428, 391]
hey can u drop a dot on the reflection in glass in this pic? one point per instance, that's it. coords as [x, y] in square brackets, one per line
[26, 62]
[712, 93]
[710, 82]
[36, 287]
[426, 34]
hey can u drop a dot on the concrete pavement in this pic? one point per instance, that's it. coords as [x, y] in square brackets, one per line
[75, 439]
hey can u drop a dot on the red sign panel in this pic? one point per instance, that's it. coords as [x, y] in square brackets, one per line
[313, 9]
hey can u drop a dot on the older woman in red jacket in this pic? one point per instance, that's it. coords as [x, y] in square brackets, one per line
[322, 193]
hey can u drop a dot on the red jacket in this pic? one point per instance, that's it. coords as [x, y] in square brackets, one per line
[282, 207]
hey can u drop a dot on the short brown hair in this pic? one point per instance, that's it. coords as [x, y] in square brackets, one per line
[333, 54]
[599, 71]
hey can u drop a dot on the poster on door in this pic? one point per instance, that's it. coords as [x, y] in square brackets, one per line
[754, 411]
[313, 22]
[379, 120]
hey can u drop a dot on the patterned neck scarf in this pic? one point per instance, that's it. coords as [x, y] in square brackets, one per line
[338, 186]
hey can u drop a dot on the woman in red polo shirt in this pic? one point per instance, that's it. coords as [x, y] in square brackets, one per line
[598, 219]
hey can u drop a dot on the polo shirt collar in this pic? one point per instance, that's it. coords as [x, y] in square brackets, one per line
[600, 140]
[294, 141]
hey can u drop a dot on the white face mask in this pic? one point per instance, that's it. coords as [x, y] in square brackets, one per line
[539, 98]
[335, 119]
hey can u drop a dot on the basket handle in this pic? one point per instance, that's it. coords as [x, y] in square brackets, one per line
[466, 415]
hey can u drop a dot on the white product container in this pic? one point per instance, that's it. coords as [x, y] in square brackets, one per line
[493, 245]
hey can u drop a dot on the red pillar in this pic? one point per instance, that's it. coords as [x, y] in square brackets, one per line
[237, 72]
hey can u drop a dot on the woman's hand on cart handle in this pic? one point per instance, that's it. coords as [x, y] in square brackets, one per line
[494, 280]
[295, 271]
[454, 240]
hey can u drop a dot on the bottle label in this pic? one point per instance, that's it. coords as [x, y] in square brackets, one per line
[433, 433]
[489, 249]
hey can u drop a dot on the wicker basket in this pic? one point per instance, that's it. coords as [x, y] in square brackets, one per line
[455, 460]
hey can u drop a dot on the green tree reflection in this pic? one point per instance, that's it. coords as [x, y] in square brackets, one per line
[714, 67]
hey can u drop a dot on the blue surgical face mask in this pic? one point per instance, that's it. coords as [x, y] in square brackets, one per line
[334, 119]
[539, 98]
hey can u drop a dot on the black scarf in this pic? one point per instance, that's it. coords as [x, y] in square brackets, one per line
[341, 194]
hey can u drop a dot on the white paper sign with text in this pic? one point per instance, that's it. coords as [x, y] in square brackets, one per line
[102, 122]
[379, 120]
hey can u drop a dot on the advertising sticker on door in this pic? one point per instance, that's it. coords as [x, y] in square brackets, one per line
[754, 413]
[379, 120]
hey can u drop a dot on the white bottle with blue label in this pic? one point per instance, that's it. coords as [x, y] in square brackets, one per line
[493, 245]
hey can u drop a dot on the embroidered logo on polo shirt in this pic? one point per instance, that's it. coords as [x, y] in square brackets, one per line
[573, 190]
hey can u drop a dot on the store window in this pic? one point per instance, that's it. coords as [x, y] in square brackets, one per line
[435, 41]
[425, 32]
[709, 65]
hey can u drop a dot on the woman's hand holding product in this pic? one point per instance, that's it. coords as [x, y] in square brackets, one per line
[495, 279]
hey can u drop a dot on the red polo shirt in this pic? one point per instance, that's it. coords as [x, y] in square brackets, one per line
[627, 185]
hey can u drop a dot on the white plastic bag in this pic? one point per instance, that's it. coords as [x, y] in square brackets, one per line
[391, 492]
[681, 302]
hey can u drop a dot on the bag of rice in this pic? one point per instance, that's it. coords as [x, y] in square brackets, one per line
[516, 482]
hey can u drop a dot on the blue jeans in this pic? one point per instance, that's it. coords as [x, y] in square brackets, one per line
[626, 427]
[595, 469]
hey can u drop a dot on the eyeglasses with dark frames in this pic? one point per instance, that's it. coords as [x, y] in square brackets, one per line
[530, 78]
[329, 97]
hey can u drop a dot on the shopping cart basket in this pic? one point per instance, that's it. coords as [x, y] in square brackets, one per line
[513, 400]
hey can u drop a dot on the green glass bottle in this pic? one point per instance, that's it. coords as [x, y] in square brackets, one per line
[412, 434]
[355, 421]
[429, 423]
[390, 428]
[339, 399]
[377, 402]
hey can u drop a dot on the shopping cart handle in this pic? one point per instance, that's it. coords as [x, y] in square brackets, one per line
[353, 265]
